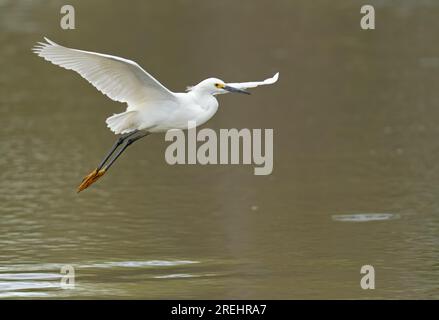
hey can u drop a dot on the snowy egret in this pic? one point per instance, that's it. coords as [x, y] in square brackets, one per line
[151, 107]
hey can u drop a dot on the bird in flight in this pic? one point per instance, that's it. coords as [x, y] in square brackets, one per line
[151, 107]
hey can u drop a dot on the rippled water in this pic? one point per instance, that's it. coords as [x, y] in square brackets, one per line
[356, 140]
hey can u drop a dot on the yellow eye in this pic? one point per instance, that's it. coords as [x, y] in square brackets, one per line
[219, 85]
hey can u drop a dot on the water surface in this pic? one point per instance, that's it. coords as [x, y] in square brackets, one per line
[355, 131]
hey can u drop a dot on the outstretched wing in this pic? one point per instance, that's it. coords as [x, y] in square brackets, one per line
[246, 85]
[120, 79]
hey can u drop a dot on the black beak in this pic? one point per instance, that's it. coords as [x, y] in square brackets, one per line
[231, 89]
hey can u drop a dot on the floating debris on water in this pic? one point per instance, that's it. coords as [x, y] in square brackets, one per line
[365, 217]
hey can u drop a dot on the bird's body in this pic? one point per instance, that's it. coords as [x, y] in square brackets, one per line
[167, 115]
[151, 107]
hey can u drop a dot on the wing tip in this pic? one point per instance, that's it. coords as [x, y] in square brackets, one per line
[273, 79]
[40, 45]
[50, 41]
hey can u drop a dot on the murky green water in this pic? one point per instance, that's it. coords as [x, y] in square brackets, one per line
[356, 172]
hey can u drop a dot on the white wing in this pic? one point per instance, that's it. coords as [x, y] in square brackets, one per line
[120, 79]
[245, 85]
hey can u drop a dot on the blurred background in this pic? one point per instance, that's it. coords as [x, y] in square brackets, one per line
[355, 133]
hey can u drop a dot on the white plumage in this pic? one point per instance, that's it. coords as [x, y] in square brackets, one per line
[151, 106]
[254, 84]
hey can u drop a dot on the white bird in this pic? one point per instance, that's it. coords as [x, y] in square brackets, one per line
[151, 106]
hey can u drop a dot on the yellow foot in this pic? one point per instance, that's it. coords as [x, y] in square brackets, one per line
[91, 178]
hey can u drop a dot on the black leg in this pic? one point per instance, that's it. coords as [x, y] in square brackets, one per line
[128, 142]
[97, 173]
[119, 141]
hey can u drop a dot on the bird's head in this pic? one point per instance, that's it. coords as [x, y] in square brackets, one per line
[214, 86]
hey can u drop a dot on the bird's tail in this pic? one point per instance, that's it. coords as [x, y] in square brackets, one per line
[123, 122]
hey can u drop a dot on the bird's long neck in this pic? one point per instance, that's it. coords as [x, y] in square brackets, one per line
[204, 99]
[207, 103]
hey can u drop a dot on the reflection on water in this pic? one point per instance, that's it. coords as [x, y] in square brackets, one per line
[356, 139]
[23, 280]
[363, 217]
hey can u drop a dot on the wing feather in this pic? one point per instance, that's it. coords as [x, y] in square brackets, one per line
[246, 85]
[118, 78]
